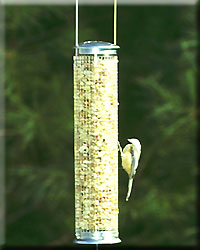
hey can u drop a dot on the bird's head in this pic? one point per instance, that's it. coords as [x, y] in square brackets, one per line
[136, 143]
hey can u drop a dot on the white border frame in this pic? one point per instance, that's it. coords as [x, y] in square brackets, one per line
[2, 70]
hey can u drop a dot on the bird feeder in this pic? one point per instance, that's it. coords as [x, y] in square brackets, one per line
[96, 140]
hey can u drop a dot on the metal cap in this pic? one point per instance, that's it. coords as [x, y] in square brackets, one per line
[96, 47]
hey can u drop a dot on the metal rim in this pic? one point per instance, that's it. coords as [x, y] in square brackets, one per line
[113, 241]
[96, 47]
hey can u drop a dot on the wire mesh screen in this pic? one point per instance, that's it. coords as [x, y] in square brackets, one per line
[95, 139]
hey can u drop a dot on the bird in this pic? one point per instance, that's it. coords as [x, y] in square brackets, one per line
[130, 158]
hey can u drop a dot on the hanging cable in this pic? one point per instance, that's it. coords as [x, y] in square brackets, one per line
[76, 21]
[115, 22]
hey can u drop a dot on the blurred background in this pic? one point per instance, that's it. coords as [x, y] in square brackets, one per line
[157, 70]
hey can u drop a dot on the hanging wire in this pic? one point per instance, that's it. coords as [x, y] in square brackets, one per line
[115, 23]
[76, 33]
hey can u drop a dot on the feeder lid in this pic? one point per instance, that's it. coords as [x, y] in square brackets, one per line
[96, 47]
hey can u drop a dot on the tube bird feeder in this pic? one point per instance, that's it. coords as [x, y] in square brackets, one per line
[96, 141]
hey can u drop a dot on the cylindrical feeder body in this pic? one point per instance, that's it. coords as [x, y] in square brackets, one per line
[96, 143]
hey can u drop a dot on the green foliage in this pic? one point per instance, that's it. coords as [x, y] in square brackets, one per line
[157, 105]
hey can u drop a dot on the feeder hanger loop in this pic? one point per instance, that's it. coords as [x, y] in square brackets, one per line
[115, 24]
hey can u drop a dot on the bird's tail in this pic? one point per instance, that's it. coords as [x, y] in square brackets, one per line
[130, 183]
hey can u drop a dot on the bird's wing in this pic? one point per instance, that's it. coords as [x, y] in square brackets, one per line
[134, 163]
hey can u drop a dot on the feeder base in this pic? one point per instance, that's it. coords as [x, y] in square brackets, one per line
[113, 241]
[97, 238]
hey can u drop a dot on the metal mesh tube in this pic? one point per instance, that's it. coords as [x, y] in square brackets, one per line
[95, 148]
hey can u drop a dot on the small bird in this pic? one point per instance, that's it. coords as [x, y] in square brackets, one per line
[130, 158]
